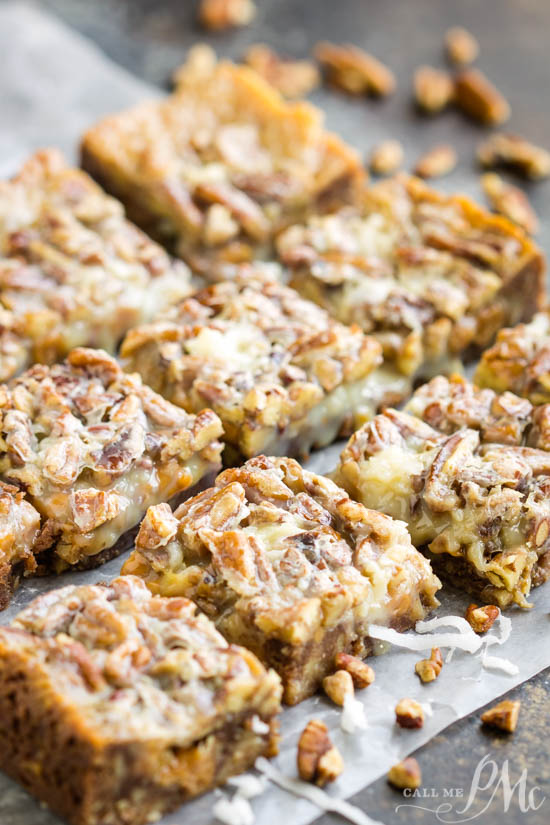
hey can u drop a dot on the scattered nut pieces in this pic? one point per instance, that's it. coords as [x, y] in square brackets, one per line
[292, 78]
[479, 99]
[437, 162]
[433, 89]
[429, 669]
[361, 673]
[510, 201]
[503, 716]
[483, 618]
[405, 774]
[355, 71]
[224, 14]
[317, 759]
[386, 158]
[409, 714]
[338, 685]
[461, 46]
[513, 151]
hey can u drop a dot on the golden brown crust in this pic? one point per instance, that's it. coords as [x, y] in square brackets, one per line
[93, 447]
[278, 370]
[482, 509]
[225, 141]
[520, 361]
[283, 561]
[73, 270]
[140, 704]
[432, 277]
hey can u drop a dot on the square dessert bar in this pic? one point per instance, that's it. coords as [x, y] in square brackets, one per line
[519, 361]
[73, 270]
[287, 565]
[482, 510]
[432, 277]
[220, 166]
[117, 706]
[93, 447]
[280, 373]
[19, 526]
[450, 404]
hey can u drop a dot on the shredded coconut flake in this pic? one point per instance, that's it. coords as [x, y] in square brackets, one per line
[505, 628]
[465, 639]
[315, 795]
[498, 663]
[248, 785]
[236, 811]
[353, 715]
[259, 726]
[427, 708]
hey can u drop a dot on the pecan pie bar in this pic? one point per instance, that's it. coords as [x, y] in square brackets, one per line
[93, 447]
[19, 525]
[73, 270]
[482, 510]
[450, 404]
[216, 169]
[117, 706]
[285, 563]
[280, 373]
[520, 361]
[432, 277]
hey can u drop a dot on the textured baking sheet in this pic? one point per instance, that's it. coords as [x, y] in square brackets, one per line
[53, 84]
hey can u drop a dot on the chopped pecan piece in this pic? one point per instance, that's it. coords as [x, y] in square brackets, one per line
[317, 759]
[501, 149]
[224, 14]
[292, 78]
[461, 46]
[361, 673]
[386, 158]
[433, 88]
[436, 162]
[503, 716]
[409, 714]
[355, 71]
[405, 774]
[429, 669]
[482, 618]
[477, 97]
[338, 685]
[510, 201]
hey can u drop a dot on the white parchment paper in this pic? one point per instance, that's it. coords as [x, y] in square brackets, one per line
[53, 84]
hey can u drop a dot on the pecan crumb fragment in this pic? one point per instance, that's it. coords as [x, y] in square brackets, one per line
[483, 618]
[436, 162]
[501, 149]
[354, 70]
[461, 46]
[477, 97]
[429, 669]
[386, 157]
[317, 759]
[338, 686]
[361, 673]
[503, 716]
[405, 774]
[510, 201]
[292, 78]
[409, 714]
[224, 14]
[433, 88]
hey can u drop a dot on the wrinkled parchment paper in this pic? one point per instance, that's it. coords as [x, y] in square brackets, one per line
[53, 84]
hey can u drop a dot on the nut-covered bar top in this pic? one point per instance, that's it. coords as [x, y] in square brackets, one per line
[19, 526]
[285, 563]
[117, 706]
[519, 361]
[93, 447]
[280, 373]
[433, 277]
[222, 164]
[73, 270]
[450, 404]
[483, 510]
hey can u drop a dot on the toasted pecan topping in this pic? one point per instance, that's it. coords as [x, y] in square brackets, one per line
[503, 716]
[292, 78]
[361, 673]
[317, 759]
[405, 774]
[224, 14]
[433, 88]
[510, 201]
[477, 97]
[429, 669]
[436, 162]
[461, 46]
[354, 70]
[386, 158]
[482, 618]
[338, 685]
[409, 714]
[514, 151]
